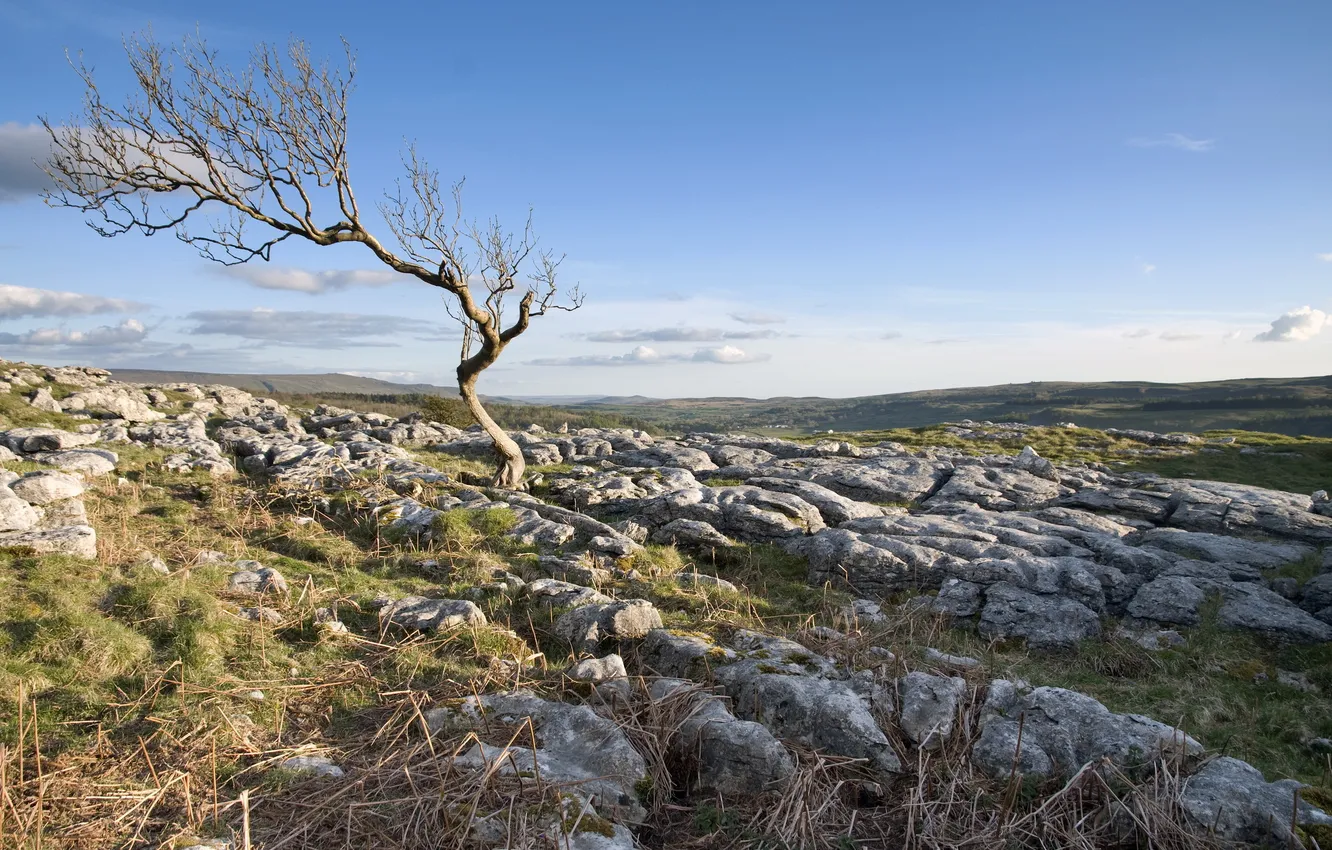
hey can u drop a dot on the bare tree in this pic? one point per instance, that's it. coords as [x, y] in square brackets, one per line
[265, 148]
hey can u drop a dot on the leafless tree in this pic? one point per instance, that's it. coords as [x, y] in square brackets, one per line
[258, 156]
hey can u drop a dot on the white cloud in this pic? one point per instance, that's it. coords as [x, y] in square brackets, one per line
[1148, 268]
[645, 356]
[128, 332]
[307, 328]
[676, 335]
[1296, 326]
[892, 335]
[1179, 336]
[311, 282]
[1178, 141]
[21, 147]
[758, 318]
[17, 302]
[1140, 333]
[1327, 258]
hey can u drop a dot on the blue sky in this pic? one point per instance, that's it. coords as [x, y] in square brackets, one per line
[758, 198]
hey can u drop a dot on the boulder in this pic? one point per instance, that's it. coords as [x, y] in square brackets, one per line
[1232, 800]
[586, 628]
[77, 540]
[1042, 620]
[40, 488]
[737, 758]
[417, 612]
[575, 747]
[824, 714]
[929, 707]
[1061, 731]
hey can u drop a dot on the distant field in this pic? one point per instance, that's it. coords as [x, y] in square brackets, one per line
[1292, 406]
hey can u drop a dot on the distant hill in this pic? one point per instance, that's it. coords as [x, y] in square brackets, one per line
[1283, 405]
[330, 382]
[1295, 406]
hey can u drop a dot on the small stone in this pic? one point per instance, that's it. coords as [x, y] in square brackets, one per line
[43, 400]
[256, 695]
[154, 563]
[318, 765]
[326, 619]
[41, 488]
[692, 579]
[962, 662]
[261, 580]
[1298, 681]
[598, 669]
[261, 614]
[417, 612]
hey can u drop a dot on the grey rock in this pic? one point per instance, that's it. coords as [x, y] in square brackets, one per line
[598, 669]
[832, 506]
[738, 758]
[1029, 461]
[821, 713]
[417, 612]
[929, 707]
[317, 765]
[89, 462]
[1063, 730]
[586, 628]
[40, 488]
[1170, 599]
[562, 594]
[1043, 621]
[43, 400]
[1231, 799]
[77, 540]
[691, 533]
[16, 514]
[960, 662]
[695, 579]
[1220, 549]
[575, 747]
[30, 440]
[667, 653]
[999, 489]
[256, 579]
[958, 598]
[261, 614]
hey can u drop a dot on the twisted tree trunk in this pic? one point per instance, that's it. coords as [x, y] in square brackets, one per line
[509, 458]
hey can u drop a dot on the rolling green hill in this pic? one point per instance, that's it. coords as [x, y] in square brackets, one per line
[330, 382]
[1280, 405]
[1294, 406]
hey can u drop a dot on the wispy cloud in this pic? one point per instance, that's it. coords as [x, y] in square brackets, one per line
[645, 356]
[22, 146]
[310, 329]
[1148, 268]
[311, 282]
[1298, 325]
[1140, 333]
[1327, 258]
[128, 332]
[1177, 141]
[676, 335]
[1179, 336]
[17, 302]
[892, 335]
[758, 318]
